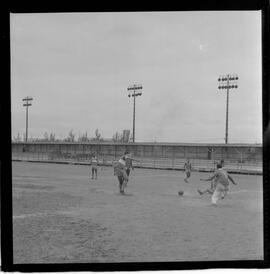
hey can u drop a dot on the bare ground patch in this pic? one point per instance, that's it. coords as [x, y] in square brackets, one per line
[27, 202]
[60, 239]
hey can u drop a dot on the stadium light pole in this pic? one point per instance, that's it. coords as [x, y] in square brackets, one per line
[27, 104]
[133, 89]
[227, 82]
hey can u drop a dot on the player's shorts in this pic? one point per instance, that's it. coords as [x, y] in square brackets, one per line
[188, 174]
[120, 172]
[94, 167]
[211, 190]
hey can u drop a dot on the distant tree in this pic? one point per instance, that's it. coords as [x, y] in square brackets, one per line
[118, 137]
[45, 136]
[83, 138]
[115, 137]
[17, 138]
[70, 137]
[97, 136]
[121, 137]
[52, 137]
[126, 134]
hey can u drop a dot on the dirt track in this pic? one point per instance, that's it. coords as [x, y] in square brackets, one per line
[60, 216]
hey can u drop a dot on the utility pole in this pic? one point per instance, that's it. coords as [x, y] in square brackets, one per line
[227, 82]
[27, 104]
[133, 91]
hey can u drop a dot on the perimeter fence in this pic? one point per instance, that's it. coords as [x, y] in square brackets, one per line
[203, 157]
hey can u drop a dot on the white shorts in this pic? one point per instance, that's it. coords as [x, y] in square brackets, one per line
[219, 191]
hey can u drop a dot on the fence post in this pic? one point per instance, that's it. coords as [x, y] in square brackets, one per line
[172, 157]
[154, 154]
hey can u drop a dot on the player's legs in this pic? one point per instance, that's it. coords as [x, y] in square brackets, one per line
[208, 190]
[217, 194]
[92, 172]
[201, 192]
[128, 172]
[95, 171]
[224, 192]
[125, 180]
[125, 175]
[215, 197]
[187, 176]
[121, 180]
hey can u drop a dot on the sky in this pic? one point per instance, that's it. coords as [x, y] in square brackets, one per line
[77, 67]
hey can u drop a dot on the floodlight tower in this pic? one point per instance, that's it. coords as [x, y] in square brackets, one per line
[133, 91]
[27, 104]
[227, 82]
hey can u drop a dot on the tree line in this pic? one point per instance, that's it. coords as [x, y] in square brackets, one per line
[72, 137]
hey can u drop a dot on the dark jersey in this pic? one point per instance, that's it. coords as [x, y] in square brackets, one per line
[128, 162]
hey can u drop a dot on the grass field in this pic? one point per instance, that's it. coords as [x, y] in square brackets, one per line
[60, 216]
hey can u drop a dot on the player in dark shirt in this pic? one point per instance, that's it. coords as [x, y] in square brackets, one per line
[187, 170]
[120, 170]
[129, 163]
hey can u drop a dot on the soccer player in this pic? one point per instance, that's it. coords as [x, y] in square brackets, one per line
[213, 184]
[120, 170]
[94, 164]
[128, 163]
[221, 178]
[187, 170]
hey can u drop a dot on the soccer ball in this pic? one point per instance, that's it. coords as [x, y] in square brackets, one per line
[180, 192]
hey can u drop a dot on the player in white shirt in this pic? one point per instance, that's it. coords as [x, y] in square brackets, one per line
[94, 164]
[221, 178]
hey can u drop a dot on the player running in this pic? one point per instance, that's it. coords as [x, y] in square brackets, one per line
[221, 179]
[187, 170]
[94, 164]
